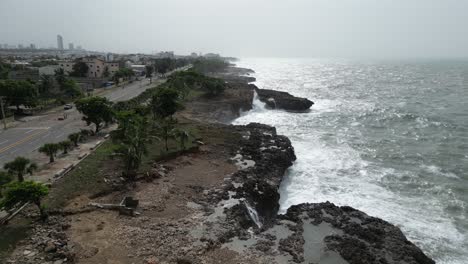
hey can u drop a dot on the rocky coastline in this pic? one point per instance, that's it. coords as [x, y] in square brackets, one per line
[219, 205]
[283, 100]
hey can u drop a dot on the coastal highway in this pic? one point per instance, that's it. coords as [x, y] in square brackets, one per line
[32, 132]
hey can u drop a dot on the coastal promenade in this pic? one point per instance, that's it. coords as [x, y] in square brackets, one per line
[27, 135]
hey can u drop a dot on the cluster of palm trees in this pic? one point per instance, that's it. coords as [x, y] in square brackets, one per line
[22, 166]
[51, 149]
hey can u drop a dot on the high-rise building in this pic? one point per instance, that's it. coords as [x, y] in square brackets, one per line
[71, 46]
[109, 57]
[20, 46]
[79, 47]
[59, 42]
[32, 46]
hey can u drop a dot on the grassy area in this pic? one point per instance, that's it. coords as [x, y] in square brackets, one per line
[86, 178]
[11, 234]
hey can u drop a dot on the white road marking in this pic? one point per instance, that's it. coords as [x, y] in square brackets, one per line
[4, 141]
[28, 128]
[29, 131]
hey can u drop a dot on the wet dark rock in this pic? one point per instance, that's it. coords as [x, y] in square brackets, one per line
[282, 100]
[357, 237]
[272, 154]
[236, 75]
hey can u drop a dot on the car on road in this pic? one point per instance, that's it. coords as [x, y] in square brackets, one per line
[67, 106]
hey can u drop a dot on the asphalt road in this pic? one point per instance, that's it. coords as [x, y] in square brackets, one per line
[25, 138]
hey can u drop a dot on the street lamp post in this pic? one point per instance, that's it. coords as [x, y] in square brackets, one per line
[3, 113]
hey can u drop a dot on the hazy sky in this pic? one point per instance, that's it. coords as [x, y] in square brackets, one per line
[281, 28]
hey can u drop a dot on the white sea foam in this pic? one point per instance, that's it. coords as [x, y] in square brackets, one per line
[353, 145]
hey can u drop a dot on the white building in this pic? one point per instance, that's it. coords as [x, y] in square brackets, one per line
[48, 70]
[59, 42]
[109, 57]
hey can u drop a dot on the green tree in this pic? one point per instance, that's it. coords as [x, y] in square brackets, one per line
[50, 149]
[132, 135]
[4, 70]
[71, 89]
[124, 73]
[60, 77]
[20, 166]
[149, 72]
[65, 145]
[79, 69]
[165, 103]
[186, 80]
[75, 138]
[166, 130]
[96, 110]
[210, 65]
[45, 84]
[18, 93]
[85, 133]
[214, 87]
[23, 192]
[5, 178]
[183, 137]
[164, 65]
[106, 72]
[116, 77]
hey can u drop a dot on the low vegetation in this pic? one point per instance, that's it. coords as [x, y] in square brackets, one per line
[50, 149]
[19, 167]
[209, 65]
[24, 192]
[47, 91]
[96, 110]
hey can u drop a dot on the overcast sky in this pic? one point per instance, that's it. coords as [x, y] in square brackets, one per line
[245, 28]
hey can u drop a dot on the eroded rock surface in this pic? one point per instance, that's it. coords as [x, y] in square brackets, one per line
[282, 100]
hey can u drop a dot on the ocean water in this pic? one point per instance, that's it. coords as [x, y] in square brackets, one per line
[388, 138]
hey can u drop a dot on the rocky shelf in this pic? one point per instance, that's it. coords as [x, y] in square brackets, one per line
[283, 100]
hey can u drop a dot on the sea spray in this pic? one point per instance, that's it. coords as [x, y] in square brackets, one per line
[387, 138]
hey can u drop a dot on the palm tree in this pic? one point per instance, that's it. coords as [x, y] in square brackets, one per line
[75, 138]
[20, 166]
[50, 149]
[183, 137]
[65, 146]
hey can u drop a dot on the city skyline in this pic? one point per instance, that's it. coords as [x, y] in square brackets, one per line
[33, 45]
[367, 28]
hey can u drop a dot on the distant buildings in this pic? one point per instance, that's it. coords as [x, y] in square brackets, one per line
[32, 46]
[59, 42]
[96, 67]
[48, 70]
[212, 56]
[71, 46]
[109, 57]
[165, 54]
[138, 68]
